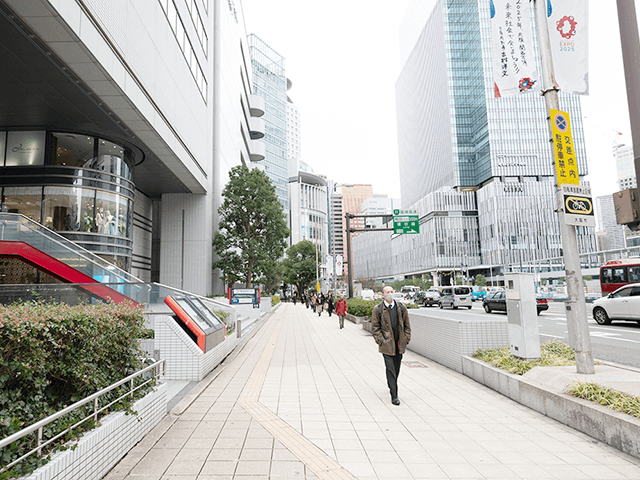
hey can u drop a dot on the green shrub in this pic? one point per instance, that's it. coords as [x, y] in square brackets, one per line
[52, 355]
[275, 300]
[553, 354]
[363, 308]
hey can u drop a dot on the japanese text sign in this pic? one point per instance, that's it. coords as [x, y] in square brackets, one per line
[563, 149]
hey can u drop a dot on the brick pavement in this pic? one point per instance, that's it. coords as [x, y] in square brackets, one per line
[306, 400]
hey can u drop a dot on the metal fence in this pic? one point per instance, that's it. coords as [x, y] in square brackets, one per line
[157, 368]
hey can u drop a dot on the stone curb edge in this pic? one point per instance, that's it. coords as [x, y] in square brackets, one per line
[616, 429]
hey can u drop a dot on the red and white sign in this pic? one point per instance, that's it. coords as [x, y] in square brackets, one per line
[338, 265]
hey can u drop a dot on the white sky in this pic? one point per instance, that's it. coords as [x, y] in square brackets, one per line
[343, 59]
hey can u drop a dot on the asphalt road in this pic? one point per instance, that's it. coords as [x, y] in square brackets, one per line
[618, 342]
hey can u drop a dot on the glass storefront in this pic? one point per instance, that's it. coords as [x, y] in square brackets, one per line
[24, 200]
[83, 191]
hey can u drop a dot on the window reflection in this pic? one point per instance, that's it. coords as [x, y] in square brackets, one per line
[68, 209]
[113, 214]
[71, 149]
[23, 200]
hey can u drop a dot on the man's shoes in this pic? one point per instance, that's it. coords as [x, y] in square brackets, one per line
[395, 401]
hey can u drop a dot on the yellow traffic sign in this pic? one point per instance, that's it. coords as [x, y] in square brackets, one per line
[564, 150]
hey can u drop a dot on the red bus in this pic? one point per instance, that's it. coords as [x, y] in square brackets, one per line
[618, 273]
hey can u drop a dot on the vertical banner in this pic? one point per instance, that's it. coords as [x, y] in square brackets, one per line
[514, 66]
[565, 155]
[568, 30]
[329, 262]
[339, 265]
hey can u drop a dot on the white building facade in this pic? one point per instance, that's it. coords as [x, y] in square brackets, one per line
[152, 102]
[456, 140]
[606, 213]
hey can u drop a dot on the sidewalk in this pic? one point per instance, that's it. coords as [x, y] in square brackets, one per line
[306, 400]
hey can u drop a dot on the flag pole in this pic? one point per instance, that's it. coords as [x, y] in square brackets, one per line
[576, 308]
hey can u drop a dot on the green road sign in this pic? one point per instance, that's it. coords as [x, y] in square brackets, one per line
[406, 221]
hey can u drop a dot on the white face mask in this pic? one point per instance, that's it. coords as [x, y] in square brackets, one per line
[388, 297]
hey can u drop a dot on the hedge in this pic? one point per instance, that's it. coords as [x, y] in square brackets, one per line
[363, 308]
[52, 355]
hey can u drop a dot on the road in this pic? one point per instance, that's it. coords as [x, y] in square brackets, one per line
[618, 342]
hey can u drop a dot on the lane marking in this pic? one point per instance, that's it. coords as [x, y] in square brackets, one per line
[322, 465]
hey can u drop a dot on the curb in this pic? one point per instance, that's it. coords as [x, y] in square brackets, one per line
[616, 429]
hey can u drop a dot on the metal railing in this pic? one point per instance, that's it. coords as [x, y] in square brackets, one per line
[39, 426]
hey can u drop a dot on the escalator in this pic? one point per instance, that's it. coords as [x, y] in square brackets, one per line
[26, 240]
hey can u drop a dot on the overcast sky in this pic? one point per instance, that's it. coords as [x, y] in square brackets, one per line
[343, 59]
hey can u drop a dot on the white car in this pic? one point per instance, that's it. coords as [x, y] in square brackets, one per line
[623, 304]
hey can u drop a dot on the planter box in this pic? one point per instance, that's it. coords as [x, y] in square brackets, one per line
[366, 325]
[354, 319]
[446, 341]
[99, 450]
[613, 428]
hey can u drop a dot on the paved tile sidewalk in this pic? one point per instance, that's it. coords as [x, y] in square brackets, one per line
[306, 400]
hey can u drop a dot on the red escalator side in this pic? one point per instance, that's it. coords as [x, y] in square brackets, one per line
[60, 270]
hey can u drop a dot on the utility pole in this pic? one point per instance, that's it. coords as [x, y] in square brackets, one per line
[631, 57]
[576, 308]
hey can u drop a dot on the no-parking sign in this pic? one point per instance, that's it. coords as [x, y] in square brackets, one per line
[564, 150]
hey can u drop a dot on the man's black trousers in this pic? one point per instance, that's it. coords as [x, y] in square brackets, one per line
[392, 365]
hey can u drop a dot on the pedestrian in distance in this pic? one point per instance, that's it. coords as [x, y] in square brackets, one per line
[392, 332]
[306, 299]
[319, 303]
[330, 304]
[295, 298]
[341, 309]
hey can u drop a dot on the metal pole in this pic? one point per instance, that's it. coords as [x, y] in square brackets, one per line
[631, 57]
[576, 308]
[347, 216]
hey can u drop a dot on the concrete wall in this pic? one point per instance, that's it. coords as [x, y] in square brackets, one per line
[446, 341]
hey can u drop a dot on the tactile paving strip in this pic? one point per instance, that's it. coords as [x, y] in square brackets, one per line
[322, 465]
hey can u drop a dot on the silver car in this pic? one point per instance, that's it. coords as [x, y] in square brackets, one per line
[623, 304]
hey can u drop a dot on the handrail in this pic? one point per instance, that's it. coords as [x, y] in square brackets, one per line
[38, 426]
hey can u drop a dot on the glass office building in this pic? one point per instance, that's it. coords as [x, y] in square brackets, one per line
[455, 136]
[270, 83]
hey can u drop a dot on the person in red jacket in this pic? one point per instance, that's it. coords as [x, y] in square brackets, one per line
[341, 309]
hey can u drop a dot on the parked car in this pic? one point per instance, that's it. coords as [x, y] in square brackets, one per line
[428, 298]
[623, 304]
[454, 297]
[497, 302]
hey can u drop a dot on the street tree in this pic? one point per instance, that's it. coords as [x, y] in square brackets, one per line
[252, 230]
[300, 265]
[480, 281]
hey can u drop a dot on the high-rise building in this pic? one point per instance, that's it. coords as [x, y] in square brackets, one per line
[625, 166]
[119, 125]
[606, 213]
[336, 219]
[270, 82]
[456, 139]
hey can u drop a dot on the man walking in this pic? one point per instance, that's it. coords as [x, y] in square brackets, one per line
[392, 332]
